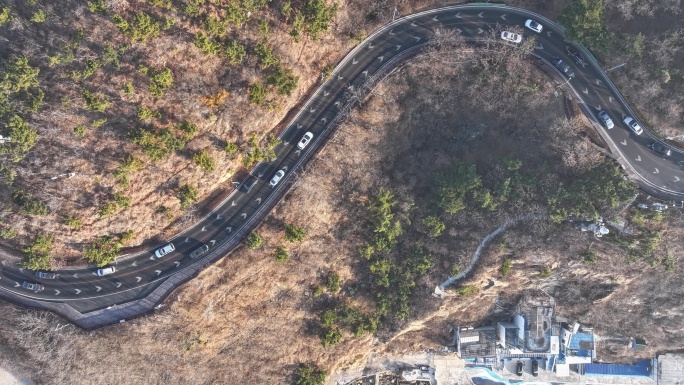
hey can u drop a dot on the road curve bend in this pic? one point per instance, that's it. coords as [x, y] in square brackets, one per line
[142, 281]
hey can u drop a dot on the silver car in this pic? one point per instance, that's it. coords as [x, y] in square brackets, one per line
[533, 25]
[276, 178]
[45, 275]
[607, 121]
[165, 250]
[106, 271]
[305, 140]
[633, 125]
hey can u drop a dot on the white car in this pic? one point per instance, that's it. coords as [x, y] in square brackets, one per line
[305, 140]
[633, 125]
[277, 177]
[510, 36]
[533, 25]
[165, 250]
[607, 121]
[106, 271]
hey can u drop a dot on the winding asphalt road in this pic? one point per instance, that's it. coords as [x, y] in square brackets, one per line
[80, 291]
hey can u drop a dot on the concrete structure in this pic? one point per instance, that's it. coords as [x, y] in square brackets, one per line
[670, 369]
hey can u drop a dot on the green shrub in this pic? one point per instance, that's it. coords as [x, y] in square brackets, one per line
[506, 266]
[98, 123]
[73, 222]
[192, 7]
[317, 291]
[215, 26]
[332, 281]
[95, 102]
[165, 211]
[467, 290]
[330, 336]
[188, 195]
[39, 16]
[254, 241]
[5, 16]
[121, 23]
[257, 93]
[455, 184]
[128, 88]
[126, 236]
[37, 253]
[125, 168]
[590, 257]
[545, 272]
[8, 233]
[314, 18]
[231, 148]
[107, 209]
[166, 4]
[206, 44]
[160, 81]
[204, 160]
[434, 226]
[263, 30]
[80, 131]
[234, 52]
[167, 23]
[97, 6]
[22, 137]
[328, 318]
[7, 174]
[159, 145]
[284, 80]
[110, 55]
[91, 67]
[146, 115]
[265, 55]
[28, 204]
[583, 20]
[122, 201]
[281, 254]
[143, 27]
[103, 251]
[294, 233]
[188, 128]
[309, 375]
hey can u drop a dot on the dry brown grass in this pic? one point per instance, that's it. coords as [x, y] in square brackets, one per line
[250, 320]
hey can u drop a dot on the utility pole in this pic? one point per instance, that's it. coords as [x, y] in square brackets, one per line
[395, 12]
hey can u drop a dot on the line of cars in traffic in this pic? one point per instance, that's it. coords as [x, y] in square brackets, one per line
[169, 247]
[635, 128]
[566, 70]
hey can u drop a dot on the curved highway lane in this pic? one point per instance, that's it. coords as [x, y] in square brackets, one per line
[82, 291]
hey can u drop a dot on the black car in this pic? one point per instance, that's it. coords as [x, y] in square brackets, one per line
[564, 68]
[201, 250]
[248, 183]
[575, 54]
[535, 368]
[660, 149]
[519, 368]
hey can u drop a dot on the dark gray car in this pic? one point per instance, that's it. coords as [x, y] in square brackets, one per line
[660, 149]
[201, 250]
[564, 68]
